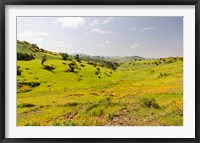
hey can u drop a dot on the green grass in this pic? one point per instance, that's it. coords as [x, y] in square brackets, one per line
[27, 48]
[82, 99]
[138, 93]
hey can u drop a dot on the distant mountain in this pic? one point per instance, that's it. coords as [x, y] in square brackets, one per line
[110, 58]
[123, 59]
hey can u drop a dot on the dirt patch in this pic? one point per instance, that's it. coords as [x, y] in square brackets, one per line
[77, 94]
[120, 120]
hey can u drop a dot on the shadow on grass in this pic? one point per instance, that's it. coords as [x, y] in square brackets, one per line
[49, 68]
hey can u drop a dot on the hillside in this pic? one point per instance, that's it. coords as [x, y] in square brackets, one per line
[25, 47]
[82, 92]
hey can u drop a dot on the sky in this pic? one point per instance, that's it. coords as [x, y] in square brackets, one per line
[149, 37]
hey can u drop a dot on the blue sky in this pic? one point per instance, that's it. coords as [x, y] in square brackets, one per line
[150, 37]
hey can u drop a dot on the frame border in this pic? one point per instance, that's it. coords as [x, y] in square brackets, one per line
[3, 4]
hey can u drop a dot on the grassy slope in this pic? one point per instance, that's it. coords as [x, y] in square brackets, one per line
[26, 48]
[84, 99]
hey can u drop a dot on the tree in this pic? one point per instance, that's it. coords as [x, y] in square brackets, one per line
[65, 56]
[72, 65]
[44, 58]
[77, 58]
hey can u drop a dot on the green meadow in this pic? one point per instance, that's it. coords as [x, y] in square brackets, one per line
[138, 92]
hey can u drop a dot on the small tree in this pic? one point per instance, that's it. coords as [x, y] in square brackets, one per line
[64, 56]
[44, 58]
[77, 58]
[72, 66]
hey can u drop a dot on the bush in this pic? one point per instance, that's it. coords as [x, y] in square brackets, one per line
[149, 102]
[25, 105]
[49, 68]
[31, 84]
[97, 71]
[78, 58]
[25, 56]
[162, 74]
[19, 72]
[111, 116]
[64, 56]
[72, 66]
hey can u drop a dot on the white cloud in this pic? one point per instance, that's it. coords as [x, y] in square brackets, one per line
[98, 22]
[135, 45]
[107, 20]
[148, 28]
[94, 22]
[106, 43]
[29, 34]
[97, 30]
[71, 22]
[32, 37]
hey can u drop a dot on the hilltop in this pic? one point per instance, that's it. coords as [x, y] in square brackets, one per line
[29, 48]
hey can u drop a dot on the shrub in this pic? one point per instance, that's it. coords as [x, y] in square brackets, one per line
[92, 107]
[107, 74]
[149, 102]
[78, 58]
[97, 112]
[25, 56]
[162, 74]
[31, 84]
[72, 66]
[49, 68]
[79, 79]
[19, 72]
[65, 56]
[111, 116]
[82, 65]
[25, 105]
[97, 72]
[152, 71]
[73, 104]
[156, 64]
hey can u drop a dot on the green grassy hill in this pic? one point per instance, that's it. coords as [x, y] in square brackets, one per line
[137, 93]
[25, 47]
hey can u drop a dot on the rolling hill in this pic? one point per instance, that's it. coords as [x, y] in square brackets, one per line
[91, 92]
